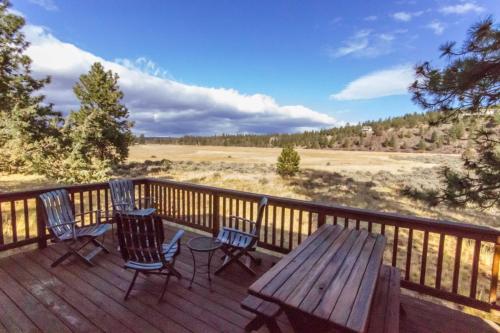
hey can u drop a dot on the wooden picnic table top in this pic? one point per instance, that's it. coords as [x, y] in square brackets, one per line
[331, 276]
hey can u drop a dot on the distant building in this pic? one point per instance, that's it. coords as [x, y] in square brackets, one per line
[366, 130]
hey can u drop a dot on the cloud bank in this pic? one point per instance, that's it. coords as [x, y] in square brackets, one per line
[161, 106]
[387, 82]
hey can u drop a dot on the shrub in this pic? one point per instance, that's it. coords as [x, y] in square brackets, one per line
[288, 162]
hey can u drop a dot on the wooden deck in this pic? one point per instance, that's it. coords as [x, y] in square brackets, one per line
[74, 297]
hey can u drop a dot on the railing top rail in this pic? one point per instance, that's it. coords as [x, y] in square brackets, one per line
[468, 230]
[17, 195]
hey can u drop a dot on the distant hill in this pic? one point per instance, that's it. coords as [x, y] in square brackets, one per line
[408, 133]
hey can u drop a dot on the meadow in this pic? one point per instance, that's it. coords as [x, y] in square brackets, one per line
[370, 180]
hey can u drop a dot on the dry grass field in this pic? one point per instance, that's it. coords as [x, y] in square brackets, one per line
[359, 179]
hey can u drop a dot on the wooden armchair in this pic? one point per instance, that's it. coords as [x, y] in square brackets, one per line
[123, 197]
[62, 224]
[237, 244]
[141, 239]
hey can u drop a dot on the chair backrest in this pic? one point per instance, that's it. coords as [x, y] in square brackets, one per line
[122, 194]
[260, 216]
[141, 238]
[58, 211]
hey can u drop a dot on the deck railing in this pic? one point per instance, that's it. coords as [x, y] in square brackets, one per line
[453, 261]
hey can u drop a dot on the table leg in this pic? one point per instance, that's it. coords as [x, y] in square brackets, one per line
[301, 322]
[194, 269]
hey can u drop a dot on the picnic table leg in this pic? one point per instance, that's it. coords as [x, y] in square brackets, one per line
[301, 322]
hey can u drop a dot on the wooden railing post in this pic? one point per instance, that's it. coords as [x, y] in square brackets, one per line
[215, 215]
[40, 225]
[147, 189]
[321, 219]
[494, 274]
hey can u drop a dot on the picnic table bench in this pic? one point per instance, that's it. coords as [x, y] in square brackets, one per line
[328, 281]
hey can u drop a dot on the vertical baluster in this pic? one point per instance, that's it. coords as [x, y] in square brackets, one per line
[346, 222]
[274, 225]
[357, 224]
[266, 223]
[424, 258]
[370, 226]
[382, 229]
[282, 231]
[189, 207]
[198, 208]
[91, 208]
[106, 203]
[475, 268]
[335, 220]
[237, 213]
[300, 227]
[231, 221]
[139, 195]
[26, 219]
[244, 214]
[13, 220]
[456, 269]
[309, 225]
[290, 239]
[82, 210]
[439, 268]
[99, 200]
[395, 246]
[205, 210]
[408, 254]
[224, 214]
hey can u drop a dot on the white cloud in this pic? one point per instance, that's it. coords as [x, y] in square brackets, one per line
[162, 106]
[462, 8]
[387, 82]
[436, 26]
[364, 44]
[406, 16]
[402, 16]
[49, 5]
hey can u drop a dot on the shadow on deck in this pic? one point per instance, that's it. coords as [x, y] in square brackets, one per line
[74, 297]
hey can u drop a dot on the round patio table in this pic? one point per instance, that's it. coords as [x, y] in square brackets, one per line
[203, 244]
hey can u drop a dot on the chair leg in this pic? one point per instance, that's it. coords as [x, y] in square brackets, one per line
[164, 288]
[254, 259]
[62, 258]
[131, 284]
[99, 244]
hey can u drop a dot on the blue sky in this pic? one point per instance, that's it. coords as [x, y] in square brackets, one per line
[205, 67]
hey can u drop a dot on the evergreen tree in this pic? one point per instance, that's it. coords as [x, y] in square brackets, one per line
[468, 84]
[99, 132]
[29, 130]
[288, 162]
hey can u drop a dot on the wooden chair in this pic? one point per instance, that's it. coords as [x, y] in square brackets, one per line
[141, 245]
[62, 224]
[237, 244]
[123, 196]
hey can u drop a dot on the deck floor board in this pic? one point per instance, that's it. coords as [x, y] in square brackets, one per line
[73, 297]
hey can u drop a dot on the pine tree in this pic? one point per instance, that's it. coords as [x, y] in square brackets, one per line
[99, 132]
[29, 131]
[288, 162]
[469, 83]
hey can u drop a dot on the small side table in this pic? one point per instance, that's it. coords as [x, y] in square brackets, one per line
[203, 244]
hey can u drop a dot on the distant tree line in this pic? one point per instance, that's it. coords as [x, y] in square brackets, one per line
[345, 137]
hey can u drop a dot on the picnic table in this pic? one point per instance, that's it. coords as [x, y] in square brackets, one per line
[328, 281]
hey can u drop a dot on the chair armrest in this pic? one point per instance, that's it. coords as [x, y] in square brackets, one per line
[176, 240]
[250, 222]
[233, 230]
[73, 227]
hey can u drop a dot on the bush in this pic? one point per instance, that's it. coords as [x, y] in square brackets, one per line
[288, 162]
